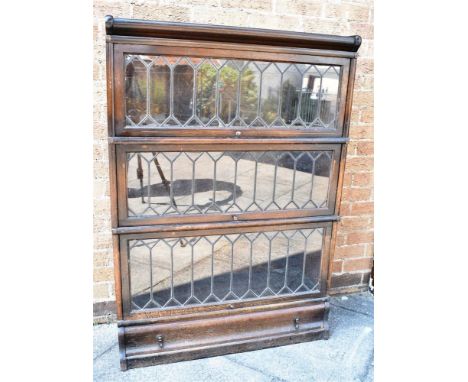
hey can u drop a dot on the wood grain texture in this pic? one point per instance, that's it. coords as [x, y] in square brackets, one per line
[234, 331]
[221, 33]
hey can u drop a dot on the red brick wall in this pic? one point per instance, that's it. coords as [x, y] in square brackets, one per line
[354, 251]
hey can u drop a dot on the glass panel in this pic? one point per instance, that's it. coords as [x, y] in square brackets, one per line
[329, 95]
[211, 92]
[187, 271]
[271, 85]
[183, 183]
[135, 90]
[227, 92]
[311, 85]
[206, 92]
[292, 81]
[160, 90]
[183, 91]
[250, 86]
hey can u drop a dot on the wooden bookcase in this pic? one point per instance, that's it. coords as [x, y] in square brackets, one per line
[226, 150]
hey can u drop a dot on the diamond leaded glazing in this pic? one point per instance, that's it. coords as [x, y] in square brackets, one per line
[169, 91]
[183, 183]
[174, 272]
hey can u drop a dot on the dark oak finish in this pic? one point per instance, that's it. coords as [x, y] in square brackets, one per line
[234, 331]
[153, 335]
[230, 225]
[220, 33]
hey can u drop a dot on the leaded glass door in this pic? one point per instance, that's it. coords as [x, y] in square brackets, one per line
[172, 91]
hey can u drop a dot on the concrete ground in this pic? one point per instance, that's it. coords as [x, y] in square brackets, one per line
[348, 356]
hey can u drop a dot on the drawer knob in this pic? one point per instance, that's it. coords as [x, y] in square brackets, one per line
[160, 340]
[296, 323]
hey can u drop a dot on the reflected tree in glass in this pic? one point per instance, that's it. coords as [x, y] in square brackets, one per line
[271, 87]
[227, 89]
[216, 92]
[249, 93]
[206, 92]
[160, 76]
[135, 90]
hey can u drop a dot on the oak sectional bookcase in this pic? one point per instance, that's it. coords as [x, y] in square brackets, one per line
[227, 150]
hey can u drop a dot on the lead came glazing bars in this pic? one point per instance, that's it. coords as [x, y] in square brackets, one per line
[296, 268]
[227, 148]
[242, 81]
[304, 175]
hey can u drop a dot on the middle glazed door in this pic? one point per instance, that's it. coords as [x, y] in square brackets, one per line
[190, 183]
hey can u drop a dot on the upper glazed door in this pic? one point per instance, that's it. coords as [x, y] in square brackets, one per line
[187, 91]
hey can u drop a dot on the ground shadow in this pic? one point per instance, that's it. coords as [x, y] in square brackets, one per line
[184, 187]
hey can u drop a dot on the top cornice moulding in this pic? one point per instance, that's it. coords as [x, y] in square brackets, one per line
[221, 33]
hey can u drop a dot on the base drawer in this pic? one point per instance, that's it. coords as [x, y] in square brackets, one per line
[179, 338]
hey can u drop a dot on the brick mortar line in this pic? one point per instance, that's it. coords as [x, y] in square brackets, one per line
[359, 272]
[351, 245]
[354, 258]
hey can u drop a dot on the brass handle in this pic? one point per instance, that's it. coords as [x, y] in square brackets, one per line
[160, 340]
[296, 323]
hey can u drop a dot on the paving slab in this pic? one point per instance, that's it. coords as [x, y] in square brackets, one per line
[348, 356]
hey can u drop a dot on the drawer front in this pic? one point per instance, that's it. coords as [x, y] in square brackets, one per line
[237, 331]
[158, 185]
[176, 270]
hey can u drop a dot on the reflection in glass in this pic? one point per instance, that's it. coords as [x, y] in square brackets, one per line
[206, 92]
[250, 85]
[186, 271]
[182, 183]
[271, 85]
[292, 80]
[160, 87]
[311, 85]
[183, 91]
[210, 92]
[135, 91]
[227, 92]
[329, 95]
